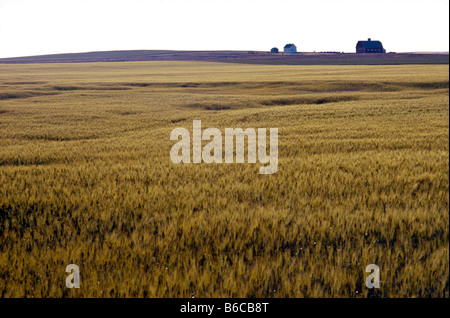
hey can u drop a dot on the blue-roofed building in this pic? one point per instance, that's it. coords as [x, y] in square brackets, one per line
[370, 46]
[290, 48]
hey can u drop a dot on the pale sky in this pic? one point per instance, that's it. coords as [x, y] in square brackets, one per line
[33, 27]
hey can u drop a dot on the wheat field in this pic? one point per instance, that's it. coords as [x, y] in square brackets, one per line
[86, 179]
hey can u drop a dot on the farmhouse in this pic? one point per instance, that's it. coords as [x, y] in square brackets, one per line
[274, 50]
[369, 46]
[290, 48]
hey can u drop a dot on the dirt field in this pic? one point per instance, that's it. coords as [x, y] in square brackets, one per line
[247, 57]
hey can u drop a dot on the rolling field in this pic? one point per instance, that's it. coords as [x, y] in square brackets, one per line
[86, 178]
[246, 57]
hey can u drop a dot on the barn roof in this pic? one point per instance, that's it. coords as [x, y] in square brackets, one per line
[370, 44]
[288, 46]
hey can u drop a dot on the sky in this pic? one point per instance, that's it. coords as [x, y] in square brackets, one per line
[34, 27]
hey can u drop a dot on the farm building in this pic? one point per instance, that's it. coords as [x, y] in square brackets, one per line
[290, 48]
[369, 46]
[274, 50]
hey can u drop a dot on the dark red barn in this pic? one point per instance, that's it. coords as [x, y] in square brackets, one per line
[370, 46]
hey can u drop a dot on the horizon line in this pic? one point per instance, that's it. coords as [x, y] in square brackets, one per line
[222, 50]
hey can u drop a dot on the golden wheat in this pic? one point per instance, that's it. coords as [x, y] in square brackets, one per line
[86, 178]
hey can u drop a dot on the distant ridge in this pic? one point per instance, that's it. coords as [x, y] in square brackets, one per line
[250, 57]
